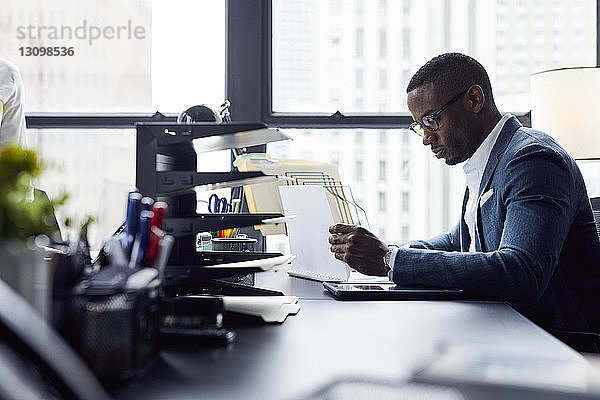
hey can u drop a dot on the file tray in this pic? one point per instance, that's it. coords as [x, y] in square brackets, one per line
[214, 137]
[165, 155]
[171, 182]
[184, 226]
[194, 270]
[166, 169]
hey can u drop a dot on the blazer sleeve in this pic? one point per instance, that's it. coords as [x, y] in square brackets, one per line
[448, 241]
[537, 188]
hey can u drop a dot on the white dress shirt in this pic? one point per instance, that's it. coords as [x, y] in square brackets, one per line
[12, 113]
[473, 169]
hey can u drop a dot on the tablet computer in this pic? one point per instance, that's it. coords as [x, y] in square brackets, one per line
[388, 291]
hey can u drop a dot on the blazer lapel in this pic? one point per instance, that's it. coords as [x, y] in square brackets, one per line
[506, 134]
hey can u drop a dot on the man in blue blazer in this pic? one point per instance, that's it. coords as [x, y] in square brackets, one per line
[526, 233]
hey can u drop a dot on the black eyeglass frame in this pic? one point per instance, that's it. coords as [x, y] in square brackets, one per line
[433, 124]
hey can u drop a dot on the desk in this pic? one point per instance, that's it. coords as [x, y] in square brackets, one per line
[330, 339]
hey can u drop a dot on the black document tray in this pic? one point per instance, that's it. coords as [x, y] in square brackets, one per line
[189, 225]
[193, 268]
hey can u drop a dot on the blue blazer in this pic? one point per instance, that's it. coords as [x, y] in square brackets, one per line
[536, 241]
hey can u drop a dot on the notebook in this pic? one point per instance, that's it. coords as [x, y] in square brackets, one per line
[309, 232]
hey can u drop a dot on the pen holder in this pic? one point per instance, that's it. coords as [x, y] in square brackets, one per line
[117, 317]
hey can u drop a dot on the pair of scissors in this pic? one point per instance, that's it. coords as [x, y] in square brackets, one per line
[218, 204]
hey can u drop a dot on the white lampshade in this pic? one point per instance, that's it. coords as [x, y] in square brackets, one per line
[565, 103]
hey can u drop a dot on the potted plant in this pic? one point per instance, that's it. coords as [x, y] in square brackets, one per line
[26, 222]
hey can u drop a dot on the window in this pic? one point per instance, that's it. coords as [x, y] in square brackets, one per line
[359, 79]
[404, 235]
[360, 7]
[358, 170]
[139, 63]
[405, 169]
[382, 137]
[131, 67]
[383, 7]
[382, 170]
[382, 79]
[406, 7]
[381, 201]
[97, 171]
[383, 43]
[408, 45]
[359, 43]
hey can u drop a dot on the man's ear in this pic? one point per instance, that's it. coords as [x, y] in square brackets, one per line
[475, 99]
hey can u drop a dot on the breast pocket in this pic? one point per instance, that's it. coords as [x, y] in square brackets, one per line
[491, 221]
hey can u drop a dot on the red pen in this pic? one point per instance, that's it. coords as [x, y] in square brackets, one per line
[160, 210]
[156, 236]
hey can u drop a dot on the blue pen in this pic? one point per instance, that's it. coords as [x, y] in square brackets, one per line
[143, 236]
[147, 203]
[131, 222]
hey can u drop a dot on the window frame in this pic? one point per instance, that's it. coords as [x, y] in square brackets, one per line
[248, 84]
[249, 22]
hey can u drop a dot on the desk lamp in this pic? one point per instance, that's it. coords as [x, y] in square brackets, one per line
[565, 103]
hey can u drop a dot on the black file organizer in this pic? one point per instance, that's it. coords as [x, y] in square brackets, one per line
[166, 170]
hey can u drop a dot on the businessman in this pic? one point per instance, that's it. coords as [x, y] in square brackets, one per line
[526, 233]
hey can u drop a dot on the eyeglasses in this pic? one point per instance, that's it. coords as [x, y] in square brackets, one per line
[430, 121]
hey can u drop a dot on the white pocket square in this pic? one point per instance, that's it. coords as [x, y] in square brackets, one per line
[484, 197]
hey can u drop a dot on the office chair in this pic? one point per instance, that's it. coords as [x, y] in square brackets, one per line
[583, 341]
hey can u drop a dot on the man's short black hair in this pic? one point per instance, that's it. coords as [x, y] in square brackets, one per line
[452, 73]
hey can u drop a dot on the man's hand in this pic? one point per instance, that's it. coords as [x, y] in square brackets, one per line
[359, 248]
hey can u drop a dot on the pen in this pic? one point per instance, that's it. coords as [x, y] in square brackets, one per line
[115, 252]
[140, 245]
[163, 254]
[156, 235]
[131, 222]
[160, 211]
[147, 203]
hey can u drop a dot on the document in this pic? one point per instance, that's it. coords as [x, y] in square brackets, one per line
[269, 308]
[309, 233]
[264, 263]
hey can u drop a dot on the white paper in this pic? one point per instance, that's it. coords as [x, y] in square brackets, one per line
[269, 308]
[309, 233]
[265, 264]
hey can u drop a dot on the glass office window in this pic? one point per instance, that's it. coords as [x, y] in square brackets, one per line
[167, 56]
[511, 39]
[125, 55]
[96, 167]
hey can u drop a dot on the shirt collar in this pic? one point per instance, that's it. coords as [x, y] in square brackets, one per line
[479, 159]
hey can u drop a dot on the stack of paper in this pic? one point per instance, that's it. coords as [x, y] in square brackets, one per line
[264, 197]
